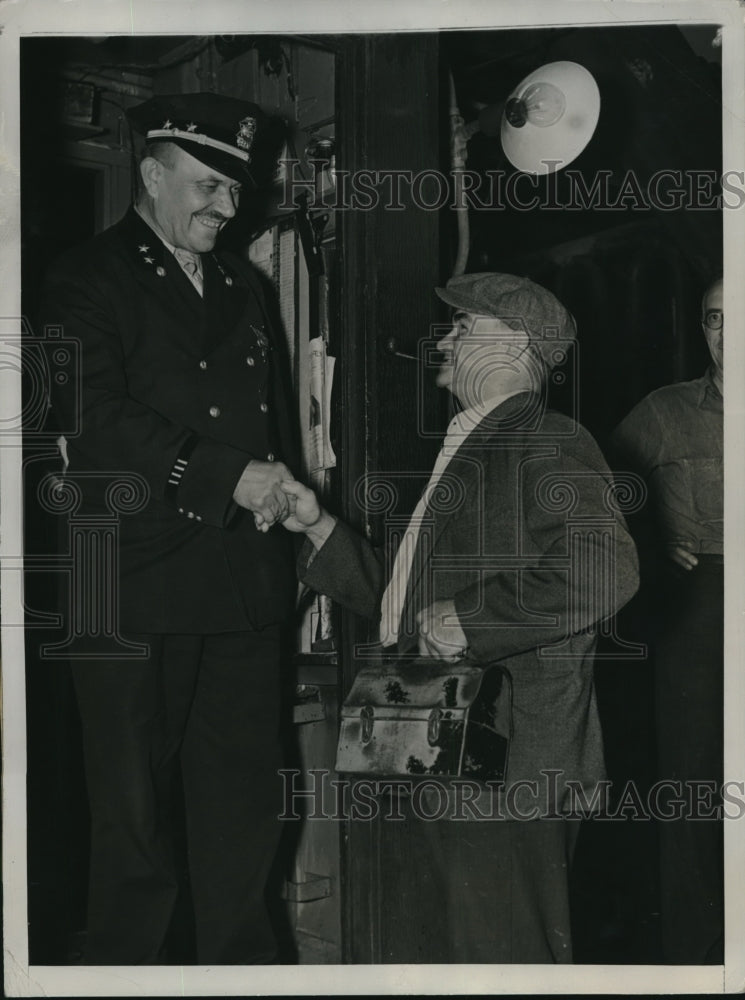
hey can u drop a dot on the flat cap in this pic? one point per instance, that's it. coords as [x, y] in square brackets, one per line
[509, 297]
[222, 132]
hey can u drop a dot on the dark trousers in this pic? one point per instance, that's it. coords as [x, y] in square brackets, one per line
[689, 708]
[213, 702]
[505, 888]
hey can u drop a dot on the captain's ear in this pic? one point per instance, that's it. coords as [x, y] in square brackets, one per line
[151, 171]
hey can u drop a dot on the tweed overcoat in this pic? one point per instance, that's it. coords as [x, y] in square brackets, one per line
[527, 539]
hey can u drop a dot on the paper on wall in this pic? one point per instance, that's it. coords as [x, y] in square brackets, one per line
[321, 383]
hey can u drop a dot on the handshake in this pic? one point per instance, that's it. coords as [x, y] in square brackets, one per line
[270, 491]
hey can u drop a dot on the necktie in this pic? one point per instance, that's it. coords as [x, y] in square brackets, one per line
[190, 265]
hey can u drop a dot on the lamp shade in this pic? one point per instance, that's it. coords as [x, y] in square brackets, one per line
[550, 117]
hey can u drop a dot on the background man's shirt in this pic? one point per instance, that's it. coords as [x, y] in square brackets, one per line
[674, 438]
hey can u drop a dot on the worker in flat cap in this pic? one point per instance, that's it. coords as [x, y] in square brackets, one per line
[182, 397]
[520, 569]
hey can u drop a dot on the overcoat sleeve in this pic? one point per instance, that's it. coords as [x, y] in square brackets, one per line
[347, 568]
[116, 432]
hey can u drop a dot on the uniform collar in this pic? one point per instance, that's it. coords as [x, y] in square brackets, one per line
[149, 249]
[169, 246]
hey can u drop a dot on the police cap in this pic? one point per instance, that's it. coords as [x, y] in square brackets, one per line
[222, 132]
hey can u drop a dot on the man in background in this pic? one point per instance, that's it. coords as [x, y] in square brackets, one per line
[673, 438]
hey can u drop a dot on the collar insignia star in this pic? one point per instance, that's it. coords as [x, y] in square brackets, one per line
[144, 248]
[191, 127]
[167, 123]
[148, 260]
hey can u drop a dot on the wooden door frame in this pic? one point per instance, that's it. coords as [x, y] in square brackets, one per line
[389, 116]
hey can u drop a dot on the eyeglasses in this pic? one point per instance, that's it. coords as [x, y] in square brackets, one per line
[714, 319]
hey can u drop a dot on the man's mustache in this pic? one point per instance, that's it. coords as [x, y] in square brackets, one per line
[212, 217]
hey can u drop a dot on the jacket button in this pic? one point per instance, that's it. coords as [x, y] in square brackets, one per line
[270, 457]
[250, 361]
[181, 510]
[214, 411]
[264, 407]
[202, 365]
[198, 518]
[190, 514]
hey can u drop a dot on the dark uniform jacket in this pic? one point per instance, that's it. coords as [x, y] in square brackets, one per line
[532, 549]
[181, 391]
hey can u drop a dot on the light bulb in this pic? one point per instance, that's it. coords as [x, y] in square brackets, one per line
[541, 104]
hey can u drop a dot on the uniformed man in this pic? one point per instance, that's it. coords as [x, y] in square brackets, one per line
[181, 391]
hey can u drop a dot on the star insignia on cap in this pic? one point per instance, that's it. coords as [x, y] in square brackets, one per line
[144, 248]
[167, 123]
[191, 127]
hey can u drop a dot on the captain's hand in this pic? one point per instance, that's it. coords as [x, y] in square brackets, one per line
[306, 514]
[440, 634]
[258, 490]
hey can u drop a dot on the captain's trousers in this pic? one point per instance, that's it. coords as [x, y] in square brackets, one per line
[211, 701]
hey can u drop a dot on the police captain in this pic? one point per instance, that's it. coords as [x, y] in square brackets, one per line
[181, 383]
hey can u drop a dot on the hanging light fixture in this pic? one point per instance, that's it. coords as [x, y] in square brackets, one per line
[550, 117]
[544, 124]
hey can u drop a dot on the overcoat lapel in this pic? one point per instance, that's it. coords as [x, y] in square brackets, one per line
[469, 468]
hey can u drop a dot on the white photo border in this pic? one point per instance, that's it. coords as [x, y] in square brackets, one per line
[25, 18]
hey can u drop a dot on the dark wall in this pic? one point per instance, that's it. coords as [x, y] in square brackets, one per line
[631, 272]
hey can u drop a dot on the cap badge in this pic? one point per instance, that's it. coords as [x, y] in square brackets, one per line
[167, 123]
[191, 127]
[246, 132]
